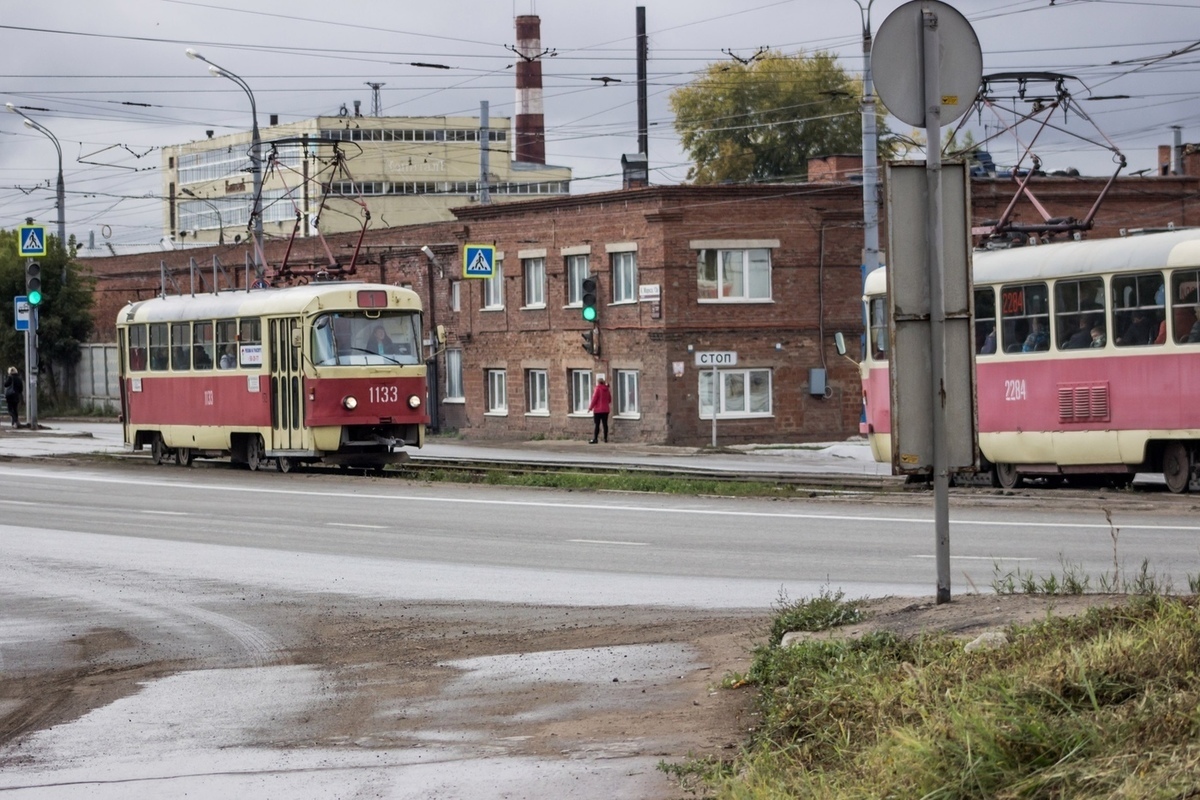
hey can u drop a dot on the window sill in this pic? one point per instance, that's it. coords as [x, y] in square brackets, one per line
[541, 307]
[458, 401]
[486, 309]
[722, 417]
[632, 416]
[633, 302]
[498, 413]
[537, 414]
[734, 300]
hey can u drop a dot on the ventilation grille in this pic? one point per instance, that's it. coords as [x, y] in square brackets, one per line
[1083, 402]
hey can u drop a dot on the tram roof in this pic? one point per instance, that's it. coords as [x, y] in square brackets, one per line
[309, 299]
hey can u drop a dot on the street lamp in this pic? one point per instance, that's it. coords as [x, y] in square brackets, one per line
[255, 157]
[213, 206]
[60, 200]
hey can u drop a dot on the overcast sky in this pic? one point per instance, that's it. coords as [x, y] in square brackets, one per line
[110, 79]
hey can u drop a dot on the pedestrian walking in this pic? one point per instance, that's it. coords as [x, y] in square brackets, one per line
[600, 406]
[14, 390]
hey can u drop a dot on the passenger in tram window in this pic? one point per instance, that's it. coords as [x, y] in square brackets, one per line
[989, 343]
[1081, 337]
[1162, 332]
[381, 343]
[228, 359]
[1194, 333]
[1140, 331]
[200, 359]
[1037, 339]
[1098, 338]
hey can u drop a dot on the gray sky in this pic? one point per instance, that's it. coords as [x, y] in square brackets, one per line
[92, 64]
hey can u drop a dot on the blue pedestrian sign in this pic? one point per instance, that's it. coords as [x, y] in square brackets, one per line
[479, 261]
[32, 241]
[21, 312]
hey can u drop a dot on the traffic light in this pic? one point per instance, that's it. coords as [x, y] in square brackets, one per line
[589, 342]
[33, 283]
[590, 292]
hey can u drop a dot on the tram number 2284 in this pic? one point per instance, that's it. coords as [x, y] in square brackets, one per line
[384, 394]
[1015, 390]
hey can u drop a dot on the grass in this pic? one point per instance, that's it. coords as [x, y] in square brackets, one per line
[1105, 704]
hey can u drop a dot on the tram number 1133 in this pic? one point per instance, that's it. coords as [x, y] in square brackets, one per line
[384, 394]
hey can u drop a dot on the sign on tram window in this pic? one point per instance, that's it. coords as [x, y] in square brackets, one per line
[251, 355]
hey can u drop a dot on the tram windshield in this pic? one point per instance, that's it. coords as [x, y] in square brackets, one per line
[358, 338]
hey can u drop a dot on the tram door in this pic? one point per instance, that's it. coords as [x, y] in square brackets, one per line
[287, 425]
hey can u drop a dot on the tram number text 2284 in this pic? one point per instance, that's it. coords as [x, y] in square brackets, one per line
[385, 394]
[1015, 389]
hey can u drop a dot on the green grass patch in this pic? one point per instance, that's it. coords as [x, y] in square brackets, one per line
[1105, 704]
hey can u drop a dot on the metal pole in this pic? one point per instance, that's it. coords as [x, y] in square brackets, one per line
[60, 195]
[715, 396]
[937, 315]
[870, 152]
[31, 364]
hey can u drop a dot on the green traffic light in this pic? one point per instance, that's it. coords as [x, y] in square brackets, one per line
[589, 313]
[35, 298]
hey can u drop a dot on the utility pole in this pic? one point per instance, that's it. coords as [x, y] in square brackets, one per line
[870, 151]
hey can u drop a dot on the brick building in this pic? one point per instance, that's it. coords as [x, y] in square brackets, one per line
[770, 272]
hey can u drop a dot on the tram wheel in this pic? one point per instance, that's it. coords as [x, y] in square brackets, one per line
[184, 456]
[254, 453]
[1007, 476]
[1177, 467]
[285, 464]
[158, 449]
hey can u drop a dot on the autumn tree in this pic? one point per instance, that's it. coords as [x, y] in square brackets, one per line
[763, 120]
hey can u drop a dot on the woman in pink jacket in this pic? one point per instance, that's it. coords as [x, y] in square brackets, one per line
[600, 406]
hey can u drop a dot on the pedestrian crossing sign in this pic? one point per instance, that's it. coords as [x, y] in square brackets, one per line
[31, 241]
[479, 261]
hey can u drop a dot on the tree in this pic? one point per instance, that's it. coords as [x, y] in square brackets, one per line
[64, 318]
[763, 120]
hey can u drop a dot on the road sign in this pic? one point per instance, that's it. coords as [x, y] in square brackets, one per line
[716, 358]
[479, 261]
[32, 241]
[21, 314]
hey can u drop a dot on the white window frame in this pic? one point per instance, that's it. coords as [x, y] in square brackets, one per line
[534, 270]
[493, 288]
[496, 386]
[728, 380]
[454, 376]
[624, 277]
[537, 393]
[577, 268]
[581, 383]
[626, 401]
[749, 266]
[456, 295]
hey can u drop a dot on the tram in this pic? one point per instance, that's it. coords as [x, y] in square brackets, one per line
[1087, 359]
[326, 372]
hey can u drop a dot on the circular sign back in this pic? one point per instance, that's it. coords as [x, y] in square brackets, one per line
[898, 68]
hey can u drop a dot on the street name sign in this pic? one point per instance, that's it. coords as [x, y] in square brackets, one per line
[716, 358]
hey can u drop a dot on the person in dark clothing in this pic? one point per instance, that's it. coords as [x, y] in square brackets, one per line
[14, 390]
[1081, 337]
[600, 406]
[1139, 332]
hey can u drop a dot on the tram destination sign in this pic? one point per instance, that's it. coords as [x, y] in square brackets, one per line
[716, 358]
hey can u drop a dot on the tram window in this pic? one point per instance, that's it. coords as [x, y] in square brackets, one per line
[137, 347]
[879, 328]
[181, 346]
[1078, 307]
[160, 347]
[361, 338]
[1137, 308]
[226, 343]
[1185, 306]
[202, 348]
[985, 321]
[1025, 317]
[250, 343]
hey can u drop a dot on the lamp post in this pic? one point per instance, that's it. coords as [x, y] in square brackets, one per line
[213, 206]
[255, 156]
[60, 201]
[870, 151]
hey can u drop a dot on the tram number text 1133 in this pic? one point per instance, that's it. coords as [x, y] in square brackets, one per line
[385, 394]
[1015, 390]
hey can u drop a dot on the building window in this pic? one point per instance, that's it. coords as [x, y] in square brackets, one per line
[537, 386]
[734, 274]
[624, 277]
[497, 391]
[535, 282]
[739, 393]
[577, 270]
[454, 375]
[581, 390]
[456, 295]
[493, 288]
[625, 398]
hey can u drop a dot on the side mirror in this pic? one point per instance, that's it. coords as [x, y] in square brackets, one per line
[840, 341]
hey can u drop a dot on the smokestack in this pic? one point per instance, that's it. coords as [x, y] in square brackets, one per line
[530, 121]
[1177, 150]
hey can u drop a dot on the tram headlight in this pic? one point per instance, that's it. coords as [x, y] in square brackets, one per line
[349, 402]
[414, 401]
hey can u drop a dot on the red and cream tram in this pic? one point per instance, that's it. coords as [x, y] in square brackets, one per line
[1087, 359]
[326, 372]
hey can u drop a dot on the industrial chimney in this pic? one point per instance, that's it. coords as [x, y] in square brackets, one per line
[530, 121]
